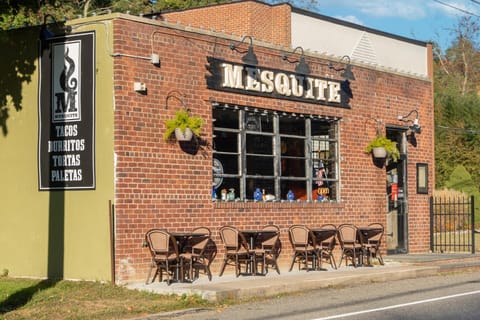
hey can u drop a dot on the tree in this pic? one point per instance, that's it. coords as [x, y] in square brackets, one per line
[457, 103]
[20, 13]
[458, 67]
[461, 180]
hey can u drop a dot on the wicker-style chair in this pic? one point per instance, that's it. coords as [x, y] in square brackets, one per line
[304, 246]
[328, 243]
[237, 251]
[373, 243]
[197, 256]
[349, 242]
[164, 251]
[271, 246]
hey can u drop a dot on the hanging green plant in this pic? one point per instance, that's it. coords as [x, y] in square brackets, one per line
[183, 122]
[390, 147]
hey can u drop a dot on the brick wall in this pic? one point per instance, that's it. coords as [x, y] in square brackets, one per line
[261, 21]
[168, 185]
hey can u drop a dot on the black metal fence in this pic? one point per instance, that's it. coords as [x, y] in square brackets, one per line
[452, 224]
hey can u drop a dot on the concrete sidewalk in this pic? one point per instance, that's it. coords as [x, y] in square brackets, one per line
[229, 287]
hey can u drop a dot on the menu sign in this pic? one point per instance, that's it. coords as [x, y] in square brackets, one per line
[66, 143]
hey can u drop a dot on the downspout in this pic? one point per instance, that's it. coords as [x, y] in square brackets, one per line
[111, 214]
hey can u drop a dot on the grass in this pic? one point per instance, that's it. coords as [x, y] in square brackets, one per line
[55, 300]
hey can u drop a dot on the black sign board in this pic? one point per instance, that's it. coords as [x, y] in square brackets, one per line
[66, 113]
[279, 84]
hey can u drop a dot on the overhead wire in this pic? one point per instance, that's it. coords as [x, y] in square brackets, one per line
[457, 8]
[463, 130]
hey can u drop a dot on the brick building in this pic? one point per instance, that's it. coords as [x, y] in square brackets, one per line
[279, 114]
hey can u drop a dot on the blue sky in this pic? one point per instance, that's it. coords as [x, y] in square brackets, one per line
[425, 20]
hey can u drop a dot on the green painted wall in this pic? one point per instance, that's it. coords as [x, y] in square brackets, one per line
[60, 233]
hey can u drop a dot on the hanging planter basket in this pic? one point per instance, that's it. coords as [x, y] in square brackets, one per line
[183, 125]
[383, 148]
[379, 152]
[185, 135]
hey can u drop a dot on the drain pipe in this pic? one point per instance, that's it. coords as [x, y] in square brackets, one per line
[111, 214]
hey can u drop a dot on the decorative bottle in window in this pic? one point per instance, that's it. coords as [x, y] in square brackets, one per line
[214, 194]
[257, 195]
[290, 195]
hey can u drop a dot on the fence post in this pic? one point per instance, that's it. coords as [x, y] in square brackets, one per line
[431, 224]
[472, 213]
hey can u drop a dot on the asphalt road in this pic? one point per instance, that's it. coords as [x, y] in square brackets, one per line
[453, 296]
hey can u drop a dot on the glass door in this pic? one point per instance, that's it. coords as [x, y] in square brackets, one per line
[397, 196]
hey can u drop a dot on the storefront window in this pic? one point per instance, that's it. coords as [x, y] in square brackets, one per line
[274, 152]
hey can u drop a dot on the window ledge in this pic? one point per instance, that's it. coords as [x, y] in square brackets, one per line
[276, 204]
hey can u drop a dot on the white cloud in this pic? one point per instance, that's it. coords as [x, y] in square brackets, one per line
[393, 9]
[407, 9]
[350, 18]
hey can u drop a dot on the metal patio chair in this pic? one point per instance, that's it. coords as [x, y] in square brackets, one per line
[328, 244]
[349, 242]
[304, 246]
[271, 246]
[164, 251]
[373, 243]
[197, 254]
[237, 251]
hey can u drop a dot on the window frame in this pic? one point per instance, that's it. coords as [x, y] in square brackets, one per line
[242, 132]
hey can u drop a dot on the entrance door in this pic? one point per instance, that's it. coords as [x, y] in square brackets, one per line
[397, 197]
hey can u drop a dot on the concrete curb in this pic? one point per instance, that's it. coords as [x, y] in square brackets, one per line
[231, 288]
[234, 289]
[287, 285]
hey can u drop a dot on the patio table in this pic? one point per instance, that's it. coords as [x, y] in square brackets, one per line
[320, 235]
[252, 236]
[367, 232]
[182, 241]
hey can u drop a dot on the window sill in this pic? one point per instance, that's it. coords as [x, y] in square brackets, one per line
[270, 204]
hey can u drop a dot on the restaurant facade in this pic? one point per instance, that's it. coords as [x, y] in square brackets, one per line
[289, 100]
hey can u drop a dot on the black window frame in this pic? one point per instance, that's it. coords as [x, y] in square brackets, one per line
[240, 145]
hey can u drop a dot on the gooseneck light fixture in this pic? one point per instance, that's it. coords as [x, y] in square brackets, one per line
[249, 58]
[47, 33]
[302, 67]
[415, 125]
[347, 70]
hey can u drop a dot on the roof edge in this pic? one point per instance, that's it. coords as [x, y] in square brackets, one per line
[359, 27]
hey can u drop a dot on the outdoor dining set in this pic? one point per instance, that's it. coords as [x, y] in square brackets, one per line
[181, 256]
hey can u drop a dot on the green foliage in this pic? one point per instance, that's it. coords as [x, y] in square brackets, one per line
[462, 181]
[20, 13]
[457, 104]
[389, 145]
[184, 4]
[457, 119]
[183, 120]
